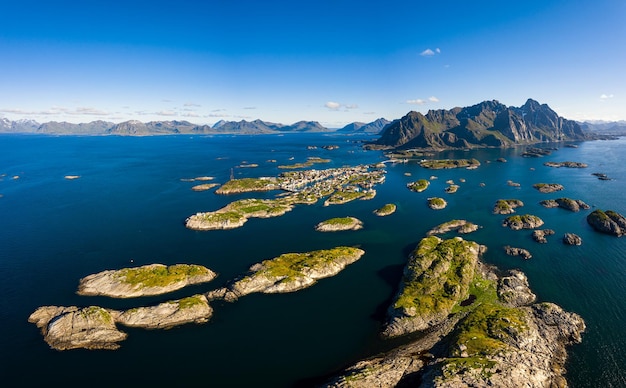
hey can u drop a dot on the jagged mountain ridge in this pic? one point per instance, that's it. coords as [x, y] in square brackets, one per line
[487, 124]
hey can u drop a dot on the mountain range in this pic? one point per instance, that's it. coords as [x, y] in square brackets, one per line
[487, 124]
[138, 128]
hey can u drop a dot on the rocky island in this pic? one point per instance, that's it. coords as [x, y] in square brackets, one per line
[204, 186]
[572, 239]
[438, 164]
[386, 210]
[153, 279]
[339, 224]
[461, 226]
[609, 222]
[548, 187]
[475, 328]
[526, 221]
[437, 203]
[513, 251]
[573, 205]
[418, 186]
[506, 206]
[95, 327]
[540, 235]
[565, 164]
[289, 272]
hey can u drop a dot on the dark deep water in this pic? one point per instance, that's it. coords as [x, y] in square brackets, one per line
[130, 204]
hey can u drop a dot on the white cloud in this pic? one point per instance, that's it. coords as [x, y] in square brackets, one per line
[429, 52]
[606, 96]
[89, 111]
[165, 113]
[332, 105]
[418, 101]
[352, 106]
[192, 104]
[433, 99]
[249, 107]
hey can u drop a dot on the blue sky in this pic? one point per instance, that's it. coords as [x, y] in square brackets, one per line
[331, 61]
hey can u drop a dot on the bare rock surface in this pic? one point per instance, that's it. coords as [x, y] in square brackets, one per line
[66, 328]
[193, 309]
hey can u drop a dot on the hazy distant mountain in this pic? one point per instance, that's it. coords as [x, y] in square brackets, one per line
[138, 128]
[374, 127]
[54, 127]
[19, 126]
[615, 128]
[488, 124]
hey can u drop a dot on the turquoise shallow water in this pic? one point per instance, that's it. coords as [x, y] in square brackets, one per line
[129, 205]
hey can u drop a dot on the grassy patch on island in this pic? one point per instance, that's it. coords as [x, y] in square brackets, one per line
[160, 276]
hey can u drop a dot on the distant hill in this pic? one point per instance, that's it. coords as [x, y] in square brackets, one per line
[374, 127]
[138, 128]
[612, 128]
[488, 124]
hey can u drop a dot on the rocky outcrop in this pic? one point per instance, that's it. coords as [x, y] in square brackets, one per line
[436, 278]
[513, 290]
[526, 221]
[506, 206]
[289, 272]
[513, 251]
[566, 164]
[461, 226]
[573, 205]
[608, 222]
[193, 309]
[237, 213]
[540, 235]
[572, 239]
[339, 224]
[497, 337]
[66, 328]
[548, 187]
[153, 279]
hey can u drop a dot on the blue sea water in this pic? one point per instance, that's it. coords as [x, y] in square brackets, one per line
[129, 205]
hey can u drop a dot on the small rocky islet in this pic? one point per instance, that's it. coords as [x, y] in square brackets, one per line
[386, 210]
[339, 224]
[506, 206]
[573, 205]
[608, 222]
[526, 221]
